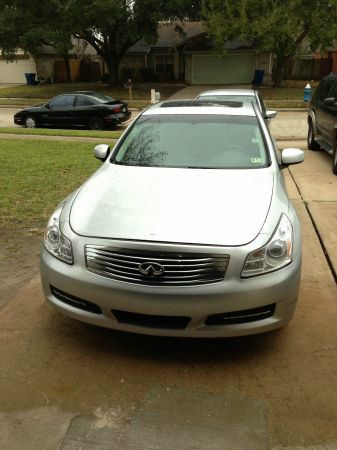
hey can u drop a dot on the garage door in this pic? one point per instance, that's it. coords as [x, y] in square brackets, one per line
[14, 72]
[210, 69]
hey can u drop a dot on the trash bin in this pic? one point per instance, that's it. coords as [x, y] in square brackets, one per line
[30, 78]
[258, 77]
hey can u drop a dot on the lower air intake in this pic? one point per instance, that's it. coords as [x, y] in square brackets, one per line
[244, 316]
[75, 301]
[152, 321]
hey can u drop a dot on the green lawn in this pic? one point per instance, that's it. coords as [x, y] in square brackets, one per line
[21, 101]
[47, 91]
[37, 175]
[285, 93]
[141, 92]
[55, 132]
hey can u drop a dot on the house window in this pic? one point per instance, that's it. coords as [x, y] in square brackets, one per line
[164, 64]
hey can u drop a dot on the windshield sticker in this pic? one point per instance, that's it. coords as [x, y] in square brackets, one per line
[255, 140]
[256, 160]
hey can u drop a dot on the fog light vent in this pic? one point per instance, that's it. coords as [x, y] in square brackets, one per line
[244, 316]
[75, 301]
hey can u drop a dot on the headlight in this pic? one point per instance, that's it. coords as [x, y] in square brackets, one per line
[275, 254]
[55, 242]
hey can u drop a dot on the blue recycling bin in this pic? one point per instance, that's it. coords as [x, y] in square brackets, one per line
[258, 77]
[30, 78]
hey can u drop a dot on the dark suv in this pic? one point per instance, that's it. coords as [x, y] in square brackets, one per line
[322, 118]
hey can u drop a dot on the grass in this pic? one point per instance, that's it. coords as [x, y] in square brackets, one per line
[277, 104]
[36, 176]
[21, 101]
[285, 93]
[289, 96]
[55, 132]
[47, 91]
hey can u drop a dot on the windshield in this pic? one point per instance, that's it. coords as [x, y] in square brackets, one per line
[194, 141]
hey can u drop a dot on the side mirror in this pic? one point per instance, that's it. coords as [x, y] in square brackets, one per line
[292, 156]
[102, 151]
[270, 114]
[330, 101]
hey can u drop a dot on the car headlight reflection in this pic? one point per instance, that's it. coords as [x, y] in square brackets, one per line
[276, 254]
[55, 242]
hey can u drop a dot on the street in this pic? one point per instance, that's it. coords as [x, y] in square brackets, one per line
[67, 385]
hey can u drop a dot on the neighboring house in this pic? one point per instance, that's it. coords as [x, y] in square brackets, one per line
[50, 66]
[185, 53]
[14, 71]
[182, 52]
[83, 60]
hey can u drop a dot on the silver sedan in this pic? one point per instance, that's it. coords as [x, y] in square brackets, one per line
[240, 95]
[185, 230]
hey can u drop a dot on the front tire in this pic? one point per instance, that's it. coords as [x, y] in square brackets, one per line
[312, 144]
[96, 123]
[30, 122]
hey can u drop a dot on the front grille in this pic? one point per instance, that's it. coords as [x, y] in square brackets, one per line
[75, 301]
[179, 269]
[152, 321]
[244, 316]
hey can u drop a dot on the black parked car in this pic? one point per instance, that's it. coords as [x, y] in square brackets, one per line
[87, 109]
[322, 118]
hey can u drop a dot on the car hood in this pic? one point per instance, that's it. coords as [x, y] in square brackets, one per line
[200, 206]
[30, 109]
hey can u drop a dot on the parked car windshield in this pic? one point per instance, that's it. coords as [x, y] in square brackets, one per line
[194, 141]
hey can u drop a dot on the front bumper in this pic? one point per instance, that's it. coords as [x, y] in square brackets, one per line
[115, 300]
[19, 120]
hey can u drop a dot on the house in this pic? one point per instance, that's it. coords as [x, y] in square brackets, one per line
[184, 52]
[50, 66]
[14, 71]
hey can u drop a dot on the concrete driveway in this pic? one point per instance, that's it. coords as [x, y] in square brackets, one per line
[67, 385]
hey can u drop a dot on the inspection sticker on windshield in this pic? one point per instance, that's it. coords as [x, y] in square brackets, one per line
[256, 160]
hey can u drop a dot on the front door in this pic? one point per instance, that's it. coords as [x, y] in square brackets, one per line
[59, 111]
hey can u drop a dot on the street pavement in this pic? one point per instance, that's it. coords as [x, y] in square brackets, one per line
[68, 385]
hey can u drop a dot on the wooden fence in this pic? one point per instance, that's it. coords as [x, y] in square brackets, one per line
[307, 69]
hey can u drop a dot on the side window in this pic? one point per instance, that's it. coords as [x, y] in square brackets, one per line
[62, 101]
[324, 89]
[83, 101]
[333, 90]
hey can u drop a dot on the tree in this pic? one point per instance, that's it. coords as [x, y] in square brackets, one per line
[110, 26]
[277, 26]
[28, 26]
[113, 26]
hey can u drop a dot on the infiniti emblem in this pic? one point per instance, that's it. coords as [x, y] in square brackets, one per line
[151, 269]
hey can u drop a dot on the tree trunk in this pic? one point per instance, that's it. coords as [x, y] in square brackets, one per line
[279, 72]
[68, 72]
[112, 64]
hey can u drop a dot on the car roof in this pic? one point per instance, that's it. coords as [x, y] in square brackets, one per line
[197, 107]
[331, 75]
[81, 93]
[247, 92]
